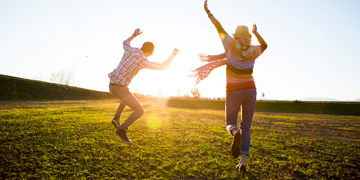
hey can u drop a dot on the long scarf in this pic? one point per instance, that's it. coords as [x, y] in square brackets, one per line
[203, 71]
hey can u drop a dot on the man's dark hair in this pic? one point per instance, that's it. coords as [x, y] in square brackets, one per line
[148, 47]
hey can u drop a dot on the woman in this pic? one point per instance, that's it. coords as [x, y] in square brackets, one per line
[239, 58]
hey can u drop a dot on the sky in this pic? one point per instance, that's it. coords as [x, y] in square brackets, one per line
[312, 45]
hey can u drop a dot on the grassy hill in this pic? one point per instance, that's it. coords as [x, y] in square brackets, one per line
[13, 88]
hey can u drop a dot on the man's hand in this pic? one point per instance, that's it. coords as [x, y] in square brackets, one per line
[137, 32]
[175, 51]
[206, 7]
[254, 28]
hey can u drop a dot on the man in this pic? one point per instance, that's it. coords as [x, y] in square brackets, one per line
[133, 60]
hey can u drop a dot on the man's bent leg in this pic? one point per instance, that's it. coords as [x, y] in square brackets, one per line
[116, 120]
[119, 111]
[120, 93]
[135, 105]
[127, 99]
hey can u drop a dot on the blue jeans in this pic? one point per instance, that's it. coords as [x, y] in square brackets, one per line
[246, 99]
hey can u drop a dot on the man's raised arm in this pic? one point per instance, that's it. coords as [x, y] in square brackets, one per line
[163, 65]
[126, 43]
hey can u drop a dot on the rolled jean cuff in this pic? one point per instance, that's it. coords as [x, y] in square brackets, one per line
[230, 127]
[244, 152]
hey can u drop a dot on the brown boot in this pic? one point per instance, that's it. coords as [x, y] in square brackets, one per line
[235, 145]
[115, 123]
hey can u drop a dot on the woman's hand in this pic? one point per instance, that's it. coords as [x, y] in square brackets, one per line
[254, 28]
[204, 57]
[137, 32]
[206, 7]
[260, 39]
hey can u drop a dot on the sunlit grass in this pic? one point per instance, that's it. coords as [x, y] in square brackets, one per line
[74, 140]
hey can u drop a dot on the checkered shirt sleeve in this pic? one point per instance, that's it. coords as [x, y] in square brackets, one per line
[153, 65]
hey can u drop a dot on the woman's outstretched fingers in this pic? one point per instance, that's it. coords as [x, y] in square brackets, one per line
[205, 6]
[204, 57]
[254, 27]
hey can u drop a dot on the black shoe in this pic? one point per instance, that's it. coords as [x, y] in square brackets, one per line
[241, 168]
[122, 135]
[116, 123]
[235, 145]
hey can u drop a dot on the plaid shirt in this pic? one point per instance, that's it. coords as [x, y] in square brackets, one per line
[131, 63]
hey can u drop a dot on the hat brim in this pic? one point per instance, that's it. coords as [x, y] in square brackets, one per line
[242, 37]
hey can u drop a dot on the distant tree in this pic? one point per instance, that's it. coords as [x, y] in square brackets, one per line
[296, 101]
[61, 77]
[195, 92]
[186, 96]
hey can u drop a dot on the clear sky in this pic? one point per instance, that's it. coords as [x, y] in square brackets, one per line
[312, 45]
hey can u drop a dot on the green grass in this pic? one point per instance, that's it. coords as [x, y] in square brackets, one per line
[74, 140]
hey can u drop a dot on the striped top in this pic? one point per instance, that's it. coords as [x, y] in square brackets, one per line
[131, 63]
[239, 67]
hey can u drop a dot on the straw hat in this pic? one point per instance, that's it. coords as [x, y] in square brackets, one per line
[242, 32]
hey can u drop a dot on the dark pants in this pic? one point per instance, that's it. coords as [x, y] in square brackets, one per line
[127, 99]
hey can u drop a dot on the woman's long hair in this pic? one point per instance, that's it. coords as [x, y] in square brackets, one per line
[241, 42]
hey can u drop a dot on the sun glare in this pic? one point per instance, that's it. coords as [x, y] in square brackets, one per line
[154, 122]
[172, 81]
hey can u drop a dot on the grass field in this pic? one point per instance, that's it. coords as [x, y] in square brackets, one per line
[74, 140]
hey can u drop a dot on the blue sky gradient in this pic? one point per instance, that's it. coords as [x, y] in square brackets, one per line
[313, 50]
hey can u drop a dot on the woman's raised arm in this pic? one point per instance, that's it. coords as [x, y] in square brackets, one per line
[211, 16]
[260, 39]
